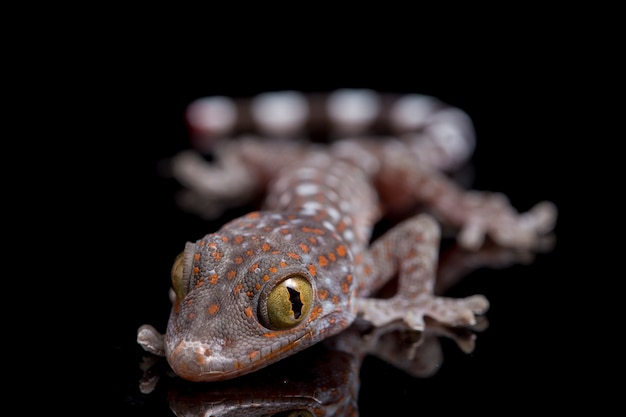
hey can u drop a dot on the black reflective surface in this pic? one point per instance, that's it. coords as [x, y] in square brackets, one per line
[517, 355]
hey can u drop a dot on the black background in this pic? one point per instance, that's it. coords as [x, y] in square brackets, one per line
[517, 101]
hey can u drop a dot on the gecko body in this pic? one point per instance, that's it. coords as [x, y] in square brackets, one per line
[304, 266]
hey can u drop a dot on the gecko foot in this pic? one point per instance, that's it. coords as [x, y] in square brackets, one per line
[151, 340]
[508, 229]
[448, 311]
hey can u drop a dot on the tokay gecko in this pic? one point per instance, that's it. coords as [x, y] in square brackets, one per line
[307, 263]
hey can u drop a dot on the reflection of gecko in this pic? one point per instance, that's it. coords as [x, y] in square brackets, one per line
[276, 281]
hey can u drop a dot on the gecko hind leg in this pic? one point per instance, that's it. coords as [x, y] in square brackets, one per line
[410, 250]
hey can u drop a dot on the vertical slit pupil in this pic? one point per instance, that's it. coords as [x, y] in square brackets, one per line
[296, 303]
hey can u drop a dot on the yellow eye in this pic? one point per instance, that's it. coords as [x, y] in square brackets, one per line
[178, 283]
[289, 302]
[181, 270]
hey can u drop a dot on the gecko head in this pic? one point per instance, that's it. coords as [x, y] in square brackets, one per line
[240, 307]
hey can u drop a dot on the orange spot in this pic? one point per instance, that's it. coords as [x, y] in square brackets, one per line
[358, 258]
[238, 288]
[199, 283]
[312, 230]
[312, 240]
[253, 355]
[217, 255]
[265, 247]
[213, 279]
[317, 310]
[284, 231]
[273, 269]
[253, 215]
[224, 239]
[276, 252]
[248, 311]
[341, 250]
[322, 260]
[196, 270]
[304, 248]
[293, 255]
[249, 294]
[201, 243]
[349, 278]
[213, 308]
[282, 264]
[266, 277]
[367, 270]
[249, 252]
[238, 260]
[238, 239]
[312, 269]
[254, 266]
[191, 316]
[196, 257]
[212, 245]
[335, 299]
[231, 274]
[270, 334]
[341, 226]
[332, 257]
[323, 294]
[345, 287]
[258, 286]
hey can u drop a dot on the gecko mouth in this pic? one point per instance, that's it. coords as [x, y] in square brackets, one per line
[200, 362]
[194, 361]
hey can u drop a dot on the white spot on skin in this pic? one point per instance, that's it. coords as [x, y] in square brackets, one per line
[333, 213]
[353, 106]
[311, 208]
[348, 235]
[280, 112]
[411, 111]
[285, 199]
[307, 189]
[328, 225]
[332, 196]
[215, 114]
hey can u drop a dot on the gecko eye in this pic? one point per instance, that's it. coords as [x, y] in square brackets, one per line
[288, 303]
[181, 271]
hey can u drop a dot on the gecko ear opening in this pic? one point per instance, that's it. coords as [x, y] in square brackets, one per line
[181, 271]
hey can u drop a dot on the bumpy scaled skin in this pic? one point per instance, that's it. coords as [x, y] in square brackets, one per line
[278, 280]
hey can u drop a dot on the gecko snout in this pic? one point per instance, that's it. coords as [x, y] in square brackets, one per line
[195, 362]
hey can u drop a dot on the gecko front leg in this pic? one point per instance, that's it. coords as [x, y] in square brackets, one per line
[410, 251]
[151, 340]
